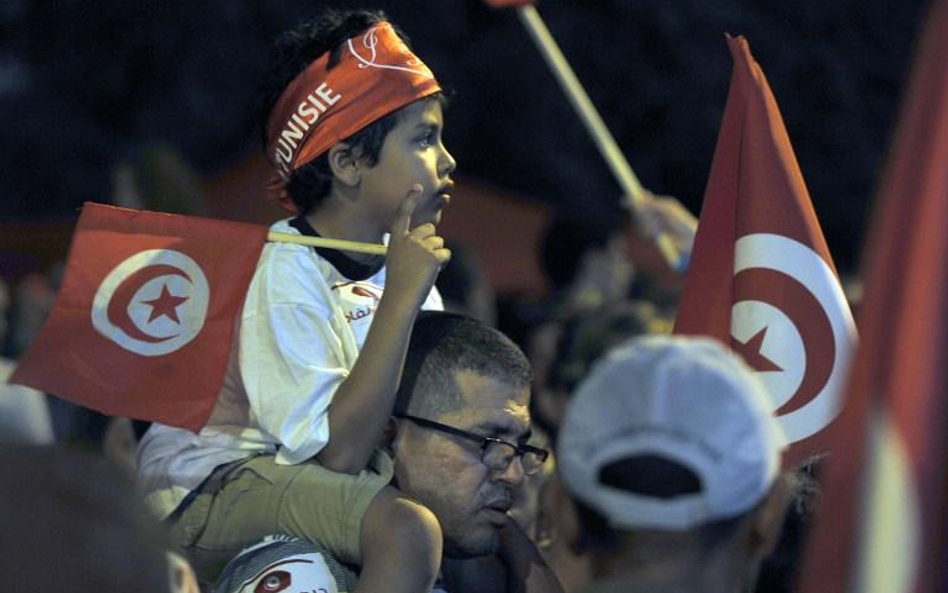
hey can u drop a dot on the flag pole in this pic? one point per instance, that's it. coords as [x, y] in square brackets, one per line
[339, 244]
[634, 193]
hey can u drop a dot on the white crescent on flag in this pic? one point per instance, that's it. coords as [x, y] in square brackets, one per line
[794, 329]
[152, 303]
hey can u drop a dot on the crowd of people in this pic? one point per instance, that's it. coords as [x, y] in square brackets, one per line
[416, 447]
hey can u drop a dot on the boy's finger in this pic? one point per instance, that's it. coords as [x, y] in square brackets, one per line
[403, 220]
[443, 255]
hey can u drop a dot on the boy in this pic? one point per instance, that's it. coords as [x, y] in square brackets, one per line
[353, 131]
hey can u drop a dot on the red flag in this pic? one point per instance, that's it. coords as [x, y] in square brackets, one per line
[506, 3]
[144, 318]
[883, 522]
[761, 277]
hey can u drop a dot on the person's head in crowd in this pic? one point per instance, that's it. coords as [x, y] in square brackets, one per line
[464, 286]
[343, 135]
[462, 428]
[576, 343]
[72, 522]
[562, 247]
[288, 564]
[780, 571]
[673, 456]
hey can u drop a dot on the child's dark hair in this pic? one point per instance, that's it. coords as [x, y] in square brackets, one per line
[292, 53]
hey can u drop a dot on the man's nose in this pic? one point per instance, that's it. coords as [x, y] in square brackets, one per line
[513, 475]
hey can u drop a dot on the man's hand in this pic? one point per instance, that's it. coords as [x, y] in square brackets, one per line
[516, 567]
[664, 218]
[527, 572]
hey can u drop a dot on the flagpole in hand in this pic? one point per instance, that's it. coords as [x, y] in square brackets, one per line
[338, 244]
[636, 197]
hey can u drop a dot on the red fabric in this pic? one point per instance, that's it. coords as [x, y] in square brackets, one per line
[133, 337]
[900, 377]
[506, 3]
[376, 75]
[761, 277]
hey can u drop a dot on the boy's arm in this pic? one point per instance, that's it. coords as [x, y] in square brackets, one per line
[363, 402]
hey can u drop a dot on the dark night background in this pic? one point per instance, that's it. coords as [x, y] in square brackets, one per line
[84, 85]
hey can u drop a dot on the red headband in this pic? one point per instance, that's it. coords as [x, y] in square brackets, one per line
[376, 75]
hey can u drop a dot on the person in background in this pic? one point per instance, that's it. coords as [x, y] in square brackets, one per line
[73, 522]
[673, 459]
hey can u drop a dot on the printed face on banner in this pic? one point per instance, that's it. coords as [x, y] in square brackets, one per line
[790, 322]
[301, 573]
[152, 303]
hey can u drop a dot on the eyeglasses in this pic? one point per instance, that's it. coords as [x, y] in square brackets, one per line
[496, 454]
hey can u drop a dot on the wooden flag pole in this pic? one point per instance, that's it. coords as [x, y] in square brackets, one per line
[634, 193]
[339, 244]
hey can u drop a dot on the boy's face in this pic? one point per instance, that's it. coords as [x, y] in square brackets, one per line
[412, 152]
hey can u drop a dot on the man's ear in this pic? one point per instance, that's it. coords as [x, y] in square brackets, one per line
[345, 163]
[387, 439]
[769, 517]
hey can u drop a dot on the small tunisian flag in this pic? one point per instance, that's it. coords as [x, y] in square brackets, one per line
[143, 321]
[882, 525]
[761, 277]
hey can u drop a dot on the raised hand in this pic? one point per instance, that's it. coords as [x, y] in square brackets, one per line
[415, 255]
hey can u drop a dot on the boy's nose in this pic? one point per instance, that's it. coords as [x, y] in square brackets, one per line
[448, 164]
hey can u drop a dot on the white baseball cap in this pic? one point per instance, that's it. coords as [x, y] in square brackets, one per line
[686, 400]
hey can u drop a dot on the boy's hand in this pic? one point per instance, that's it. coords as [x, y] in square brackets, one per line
[415, 255]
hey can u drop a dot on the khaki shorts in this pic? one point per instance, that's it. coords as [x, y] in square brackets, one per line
[243, 502]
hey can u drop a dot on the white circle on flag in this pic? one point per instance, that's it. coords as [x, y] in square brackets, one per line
[781, 385]
[799, 262]
[153, 303]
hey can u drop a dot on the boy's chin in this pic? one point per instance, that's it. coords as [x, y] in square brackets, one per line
[432, 217]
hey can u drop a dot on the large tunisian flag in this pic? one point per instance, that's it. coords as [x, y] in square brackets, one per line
[143, 321]
[882, 526]
[761, 277]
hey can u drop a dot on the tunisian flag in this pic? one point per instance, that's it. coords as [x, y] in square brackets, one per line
[761, 277]
[143, 322]
[882, 525]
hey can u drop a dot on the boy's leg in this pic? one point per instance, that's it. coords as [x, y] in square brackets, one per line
[401, 545]
[359, 519]
[259, 498]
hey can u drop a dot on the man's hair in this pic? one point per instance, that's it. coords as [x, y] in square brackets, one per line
[292, 53]
[656, 477]
[443, 344]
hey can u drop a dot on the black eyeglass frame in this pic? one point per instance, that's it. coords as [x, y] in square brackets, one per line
[485, 442]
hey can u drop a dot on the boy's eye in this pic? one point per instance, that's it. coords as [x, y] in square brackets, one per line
[427, 140]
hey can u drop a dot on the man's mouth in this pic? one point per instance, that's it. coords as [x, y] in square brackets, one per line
[496, 511]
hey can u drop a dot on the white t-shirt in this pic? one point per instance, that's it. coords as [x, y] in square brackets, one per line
[300, 332]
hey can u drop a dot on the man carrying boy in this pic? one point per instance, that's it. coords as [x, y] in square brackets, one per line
[459, 439]
[353, 130]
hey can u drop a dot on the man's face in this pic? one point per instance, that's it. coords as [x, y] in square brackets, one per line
[445, 472]
[412, 152]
